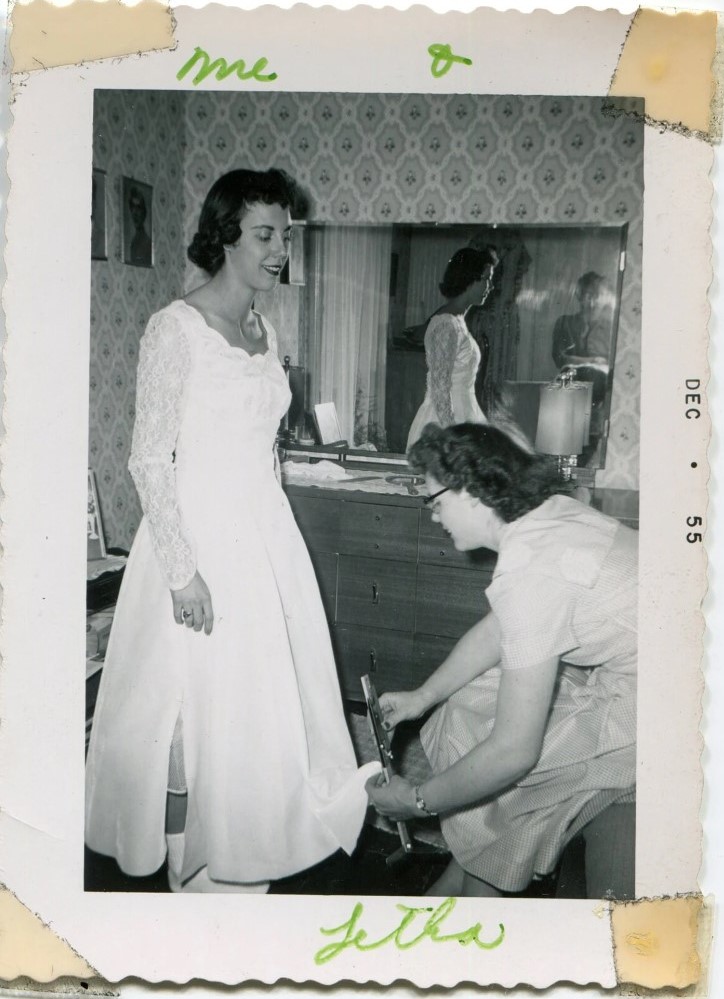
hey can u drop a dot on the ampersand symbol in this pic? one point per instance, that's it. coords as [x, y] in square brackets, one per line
[443, 58]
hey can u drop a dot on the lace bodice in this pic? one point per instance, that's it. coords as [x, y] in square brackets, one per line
[204, 409]
[452, 357]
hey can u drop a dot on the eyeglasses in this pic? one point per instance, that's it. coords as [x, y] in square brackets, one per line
[429, 500]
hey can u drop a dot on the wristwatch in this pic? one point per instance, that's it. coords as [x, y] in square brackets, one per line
[420, 803]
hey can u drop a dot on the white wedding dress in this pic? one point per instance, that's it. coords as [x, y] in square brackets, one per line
[272, 782]
[453, 359]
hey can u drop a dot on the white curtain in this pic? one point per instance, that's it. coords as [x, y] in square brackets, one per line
[348, 318]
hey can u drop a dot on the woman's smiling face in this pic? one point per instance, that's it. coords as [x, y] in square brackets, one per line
[263, 247]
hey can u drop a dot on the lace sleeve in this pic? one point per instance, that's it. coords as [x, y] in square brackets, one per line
[164, 366]
[441, 347]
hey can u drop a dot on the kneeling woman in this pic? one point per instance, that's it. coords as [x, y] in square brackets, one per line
[524, 753]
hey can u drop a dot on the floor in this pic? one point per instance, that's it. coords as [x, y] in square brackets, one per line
[366, 872]
[376, 867]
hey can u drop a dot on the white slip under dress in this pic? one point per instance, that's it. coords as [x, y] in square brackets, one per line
[565, 585]
[273, 786]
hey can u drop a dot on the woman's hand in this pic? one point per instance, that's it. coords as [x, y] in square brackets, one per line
[192, 605]
[401, 705]
[395, 800]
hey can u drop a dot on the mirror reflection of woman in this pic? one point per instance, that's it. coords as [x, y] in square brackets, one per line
[219, 740]
[582, 341]
[525, 751]
[453, 356]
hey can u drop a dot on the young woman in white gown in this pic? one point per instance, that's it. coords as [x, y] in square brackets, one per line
[219, 738]
[453, 356]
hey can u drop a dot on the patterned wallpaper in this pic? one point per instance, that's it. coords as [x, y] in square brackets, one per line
[457, 158]
[136, 134]
[362, 157]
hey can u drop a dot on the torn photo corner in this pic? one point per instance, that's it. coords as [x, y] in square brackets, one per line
[579, 185]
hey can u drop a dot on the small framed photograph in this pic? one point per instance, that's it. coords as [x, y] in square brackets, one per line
[325, 416]
[137, 222]
[99, 237]
[96, 541]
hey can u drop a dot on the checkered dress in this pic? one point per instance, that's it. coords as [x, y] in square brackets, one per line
[565, 585]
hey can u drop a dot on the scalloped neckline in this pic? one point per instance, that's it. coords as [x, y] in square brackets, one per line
[223, 339]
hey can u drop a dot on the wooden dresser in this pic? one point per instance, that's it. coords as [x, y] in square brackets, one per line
[397, 593]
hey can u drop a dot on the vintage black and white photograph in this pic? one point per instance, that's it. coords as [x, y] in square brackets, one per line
[470, 311]
[137, 222]
[412, 694]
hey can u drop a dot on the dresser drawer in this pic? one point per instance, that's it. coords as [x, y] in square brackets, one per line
[380, 531]
[449, 600]
[325, 567]
[318, 520]
[385, 655]
[436, 548]
[376, 592]
[429, 651]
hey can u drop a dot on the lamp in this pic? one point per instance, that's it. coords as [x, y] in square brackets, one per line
[564, 420]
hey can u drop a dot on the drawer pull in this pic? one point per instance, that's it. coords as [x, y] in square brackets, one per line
[442, 553]
[373, 661]
[375, 593]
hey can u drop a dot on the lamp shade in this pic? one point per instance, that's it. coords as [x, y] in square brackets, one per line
[564, 418]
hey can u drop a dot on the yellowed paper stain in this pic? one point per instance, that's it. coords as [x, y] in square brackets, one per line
[655, 941]
[29, 947]
[667, 59]
[44, 35]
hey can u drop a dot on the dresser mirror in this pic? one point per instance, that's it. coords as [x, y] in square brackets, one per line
[369, 291]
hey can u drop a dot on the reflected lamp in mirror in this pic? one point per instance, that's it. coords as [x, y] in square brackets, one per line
[564, 421]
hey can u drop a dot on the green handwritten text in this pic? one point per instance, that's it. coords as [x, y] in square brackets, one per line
[352, 936]
[443, 58]
[223, 69]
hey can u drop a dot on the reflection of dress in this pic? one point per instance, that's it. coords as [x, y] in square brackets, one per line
[453, 358]
[272, 781]
[565, 585]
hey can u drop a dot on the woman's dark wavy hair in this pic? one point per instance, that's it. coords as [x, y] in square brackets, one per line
[488, 464]
[464, 268]
[225, 205]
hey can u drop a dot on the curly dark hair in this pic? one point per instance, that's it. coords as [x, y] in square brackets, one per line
[464, 268]
[225, 205]
[485, 462]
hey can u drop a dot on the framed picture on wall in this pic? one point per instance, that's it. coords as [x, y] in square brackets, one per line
[137, 222]
[99, 238]
[96, 541]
